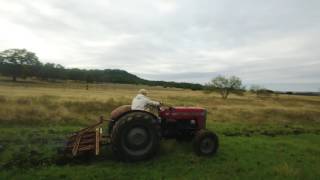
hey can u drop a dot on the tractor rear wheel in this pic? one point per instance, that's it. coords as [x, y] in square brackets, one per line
[205, 143]
[135, 137]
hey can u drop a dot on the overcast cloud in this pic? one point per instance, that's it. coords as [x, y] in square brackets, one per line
[274, 43]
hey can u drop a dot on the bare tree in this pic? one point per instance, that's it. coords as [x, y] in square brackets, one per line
[225, 85]
[260, 91]
[255, 88]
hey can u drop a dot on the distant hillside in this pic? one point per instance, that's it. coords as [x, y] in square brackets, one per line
[306, 93]
[57, 72]
[21, 63]
[121, 76]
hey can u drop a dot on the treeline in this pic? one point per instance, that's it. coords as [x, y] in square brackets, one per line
[20, 63]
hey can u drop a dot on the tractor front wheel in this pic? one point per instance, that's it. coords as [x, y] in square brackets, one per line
[205, 143]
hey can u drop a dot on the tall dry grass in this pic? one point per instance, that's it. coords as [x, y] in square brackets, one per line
[54, 110]
[72, 103]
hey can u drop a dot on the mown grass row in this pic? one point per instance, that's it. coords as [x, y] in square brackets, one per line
[261, 157]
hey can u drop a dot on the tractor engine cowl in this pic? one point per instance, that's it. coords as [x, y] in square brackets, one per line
[193, 114]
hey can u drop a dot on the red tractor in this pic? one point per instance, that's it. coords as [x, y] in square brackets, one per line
[135, 135]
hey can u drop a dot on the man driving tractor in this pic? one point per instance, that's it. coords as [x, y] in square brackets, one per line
[141, 101]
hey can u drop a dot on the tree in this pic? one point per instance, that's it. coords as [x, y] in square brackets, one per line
[225, 85]
[254, 88]
[260, 91]
[18, 62]
[52, 71]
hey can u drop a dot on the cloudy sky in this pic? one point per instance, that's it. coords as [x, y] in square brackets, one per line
[274, 43]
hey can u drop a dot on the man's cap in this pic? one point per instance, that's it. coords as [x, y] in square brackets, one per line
[143, 91]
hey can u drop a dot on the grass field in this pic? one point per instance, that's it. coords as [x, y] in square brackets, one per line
[271, 138]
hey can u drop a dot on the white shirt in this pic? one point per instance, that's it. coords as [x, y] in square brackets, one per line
[140, 102]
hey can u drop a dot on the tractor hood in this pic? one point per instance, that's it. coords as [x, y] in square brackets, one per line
[185, 113]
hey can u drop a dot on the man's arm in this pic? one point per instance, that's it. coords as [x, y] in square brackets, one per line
[150, 102]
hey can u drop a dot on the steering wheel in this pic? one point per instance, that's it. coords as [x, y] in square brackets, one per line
[163, 106]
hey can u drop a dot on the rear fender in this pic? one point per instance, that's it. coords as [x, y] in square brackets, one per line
[113, 121]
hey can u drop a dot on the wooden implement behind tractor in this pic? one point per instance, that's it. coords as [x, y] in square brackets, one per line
[86, 140]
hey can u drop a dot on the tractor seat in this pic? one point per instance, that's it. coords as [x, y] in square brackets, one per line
[119, 110]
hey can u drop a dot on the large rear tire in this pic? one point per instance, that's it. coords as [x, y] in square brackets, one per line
[135, 136]
[205, 143]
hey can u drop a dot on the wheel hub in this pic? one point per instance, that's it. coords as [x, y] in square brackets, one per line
[137, 140]
[207, 145]
[137, 136]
